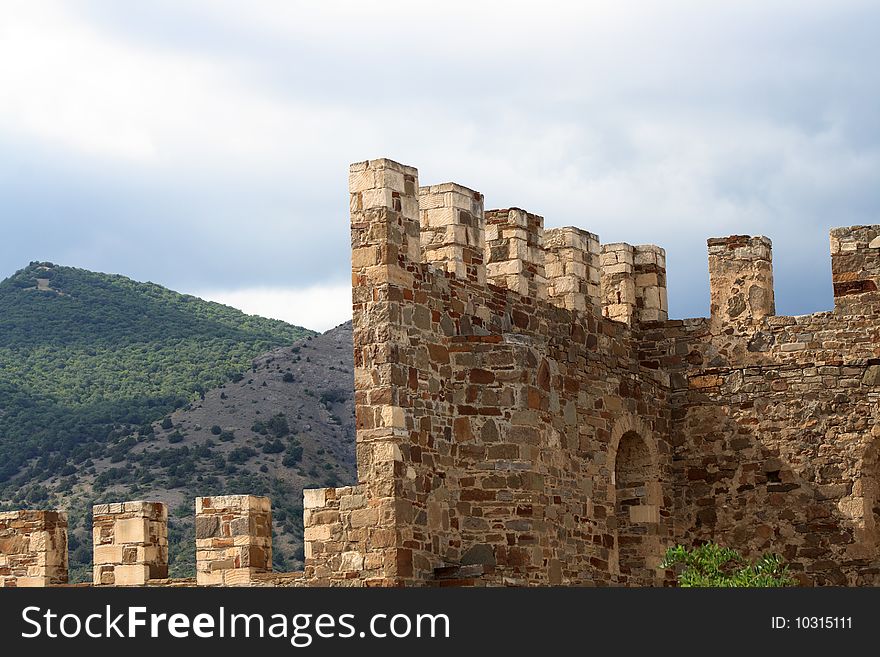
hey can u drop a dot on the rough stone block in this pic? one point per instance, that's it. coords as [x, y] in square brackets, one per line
[234, 539]
[33, 548]
[130, 543]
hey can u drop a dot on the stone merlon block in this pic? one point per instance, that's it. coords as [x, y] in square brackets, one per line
[453, 230]
[130, 543]
[740, 280]
[384, 204]
[855, 268]
[571, 267]
[233, 539]
[514, 251]
[33, 548]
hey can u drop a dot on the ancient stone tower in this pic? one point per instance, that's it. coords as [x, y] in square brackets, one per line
[527, 414]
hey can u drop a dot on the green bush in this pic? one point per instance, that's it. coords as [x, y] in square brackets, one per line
[273, 447]
[278, 425]
[241, 454]
[711, 565]
[293, 456]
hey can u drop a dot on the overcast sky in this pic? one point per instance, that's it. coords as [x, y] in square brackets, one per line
[204, 145]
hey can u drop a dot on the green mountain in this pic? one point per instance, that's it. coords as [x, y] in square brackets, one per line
[111, 389]
[84, 355]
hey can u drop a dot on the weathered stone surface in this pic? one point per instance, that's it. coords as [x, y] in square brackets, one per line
[872, 376]
[233, 539]
[130, 543]
[33, 548]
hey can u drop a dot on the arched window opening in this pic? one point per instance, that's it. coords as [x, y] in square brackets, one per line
[637, 500]
[870, 485]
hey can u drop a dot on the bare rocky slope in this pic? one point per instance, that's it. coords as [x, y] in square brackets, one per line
[284, 424]
[288, 424]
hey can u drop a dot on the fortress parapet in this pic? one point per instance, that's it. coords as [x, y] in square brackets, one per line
[396, 225]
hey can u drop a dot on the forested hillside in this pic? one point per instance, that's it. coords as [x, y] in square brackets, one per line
[85, 355]
[112, 389]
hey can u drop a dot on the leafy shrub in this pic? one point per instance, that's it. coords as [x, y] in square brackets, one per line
[293, 456]
[273, 447]
[288, 377]
[216, 430]
[334, 396]
[241, 454]
[167, 423]
[278, 425]
[711, 565]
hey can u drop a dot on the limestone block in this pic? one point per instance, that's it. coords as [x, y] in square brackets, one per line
[314, 497]
[871, 376]
[622, 268]
[393, 416]
[352, 561]
[132, 530]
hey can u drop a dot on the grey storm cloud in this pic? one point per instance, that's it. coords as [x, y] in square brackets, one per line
[204, 145]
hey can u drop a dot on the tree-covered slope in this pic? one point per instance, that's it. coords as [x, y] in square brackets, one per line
[87, 357]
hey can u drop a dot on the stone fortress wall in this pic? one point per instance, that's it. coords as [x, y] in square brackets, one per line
[528, 415]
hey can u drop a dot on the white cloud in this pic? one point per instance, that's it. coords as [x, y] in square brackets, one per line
[79, 88]
[223, 132]
[319, 308]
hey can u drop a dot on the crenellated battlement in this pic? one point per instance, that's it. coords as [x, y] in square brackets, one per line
[508, 248]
